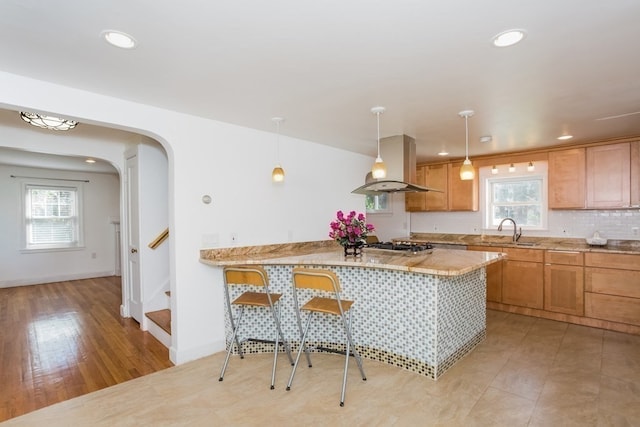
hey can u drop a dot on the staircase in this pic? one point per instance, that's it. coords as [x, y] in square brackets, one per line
[160, 325]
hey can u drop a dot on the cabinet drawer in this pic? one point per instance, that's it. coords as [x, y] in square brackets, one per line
[613, 308]
[622, 261]
[612, 282]
[563, 257]
[519, 254]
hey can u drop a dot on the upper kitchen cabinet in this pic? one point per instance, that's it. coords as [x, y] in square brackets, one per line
[567, 171]
[415, 202]
[457, 195]
[609, 176]
[463, 195]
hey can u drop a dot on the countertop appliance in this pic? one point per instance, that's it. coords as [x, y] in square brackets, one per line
[404, 247]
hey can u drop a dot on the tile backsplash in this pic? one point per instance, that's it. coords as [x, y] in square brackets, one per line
[611, 224]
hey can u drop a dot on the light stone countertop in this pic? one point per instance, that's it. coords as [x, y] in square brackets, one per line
[549, 243]
[440, 262]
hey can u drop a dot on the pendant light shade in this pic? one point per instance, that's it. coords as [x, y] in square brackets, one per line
[278, 173]
[467, 172]
[379, 170]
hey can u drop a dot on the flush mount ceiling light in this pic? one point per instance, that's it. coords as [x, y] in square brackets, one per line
[91, 161]
[508, 38]
[119, 39]
[278, 173]
[47, 122]
[379, 170]
[443, 153]
[466, 171]
[565, 137]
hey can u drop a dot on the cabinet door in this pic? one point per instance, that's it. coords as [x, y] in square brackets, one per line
[522, 283]
[463, 195]
[567, 179]
[635, 174]
[415, 202]
[564, 288]
[609, 176]
[436, 177]
[494, 274]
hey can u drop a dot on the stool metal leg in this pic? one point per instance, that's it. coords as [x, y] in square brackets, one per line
[302, 346]
[233, 338]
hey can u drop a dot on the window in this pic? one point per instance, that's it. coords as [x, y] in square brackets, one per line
[380, 203]
[52, 216]
[521, 196]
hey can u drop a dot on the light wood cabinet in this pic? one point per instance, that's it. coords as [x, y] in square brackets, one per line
[567, 172]
[564, 282]
[612, 287]
[456, 195]
[463, 195]
[436, 176]
[609, 176]
[635, 174]
[523, 277]
[494, 274]
[415, 202]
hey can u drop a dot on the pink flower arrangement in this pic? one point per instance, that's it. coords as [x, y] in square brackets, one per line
[350, 229]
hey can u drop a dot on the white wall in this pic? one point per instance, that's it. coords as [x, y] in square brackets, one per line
[231, 164]
[101, 205]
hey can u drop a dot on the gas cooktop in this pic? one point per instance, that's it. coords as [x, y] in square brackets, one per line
[406, 247]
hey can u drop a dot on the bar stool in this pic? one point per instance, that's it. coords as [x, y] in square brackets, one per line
[256, 276]
[327, 282]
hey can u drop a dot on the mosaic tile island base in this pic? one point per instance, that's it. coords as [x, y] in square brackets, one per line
[421, 312]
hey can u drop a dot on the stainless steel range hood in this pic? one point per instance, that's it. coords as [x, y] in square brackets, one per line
[399, 155]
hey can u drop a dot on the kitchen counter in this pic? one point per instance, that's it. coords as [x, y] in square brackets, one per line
[440, 262]
[551, 243]
[420, 312]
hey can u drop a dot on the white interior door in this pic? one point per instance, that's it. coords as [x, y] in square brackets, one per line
[135, 294]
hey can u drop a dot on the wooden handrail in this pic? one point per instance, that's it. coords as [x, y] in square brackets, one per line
[161, 238]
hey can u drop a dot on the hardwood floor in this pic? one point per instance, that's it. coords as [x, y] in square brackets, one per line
[65, 339]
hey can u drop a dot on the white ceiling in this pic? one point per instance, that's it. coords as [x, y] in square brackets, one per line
[323, 64]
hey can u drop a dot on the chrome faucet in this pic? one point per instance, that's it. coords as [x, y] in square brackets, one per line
[516, 234]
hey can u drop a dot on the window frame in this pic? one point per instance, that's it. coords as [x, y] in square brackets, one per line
[77, 218]
[378, 209]
[488, 179]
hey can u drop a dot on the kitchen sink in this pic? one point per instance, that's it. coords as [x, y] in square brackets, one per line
[526, 244]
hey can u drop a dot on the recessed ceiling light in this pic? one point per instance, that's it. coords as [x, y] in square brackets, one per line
[119, 39]
[443, 153]
[565, 137]
[508, 38]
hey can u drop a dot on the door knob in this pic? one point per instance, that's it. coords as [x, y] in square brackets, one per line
[134, 251]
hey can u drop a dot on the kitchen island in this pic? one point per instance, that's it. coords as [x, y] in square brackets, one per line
[418, 311]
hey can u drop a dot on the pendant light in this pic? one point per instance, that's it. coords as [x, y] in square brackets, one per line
[278, 173]
[379, 170]
[466, 171]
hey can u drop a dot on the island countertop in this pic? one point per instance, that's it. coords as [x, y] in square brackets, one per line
[439, 262]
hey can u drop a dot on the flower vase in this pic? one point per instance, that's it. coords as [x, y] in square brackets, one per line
[352, 249]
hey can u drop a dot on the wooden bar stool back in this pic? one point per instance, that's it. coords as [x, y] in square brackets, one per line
[252, 276]
[328, 282]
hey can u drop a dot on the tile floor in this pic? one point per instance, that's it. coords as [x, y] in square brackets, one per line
[528, 372]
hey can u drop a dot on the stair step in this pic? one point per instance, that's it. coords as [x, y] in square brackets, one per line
[161, 318]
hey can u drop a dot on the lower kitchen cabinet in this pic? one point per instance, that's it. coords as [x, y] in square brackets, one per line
[494, 274]
[523, 278]
[564, 282]
[612, 287]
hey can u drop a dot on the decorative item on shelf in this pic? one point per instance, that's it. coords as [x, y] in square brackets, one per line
[47, 122]
[351, 232]
[379, 170]
[466, 171]
[278, 173]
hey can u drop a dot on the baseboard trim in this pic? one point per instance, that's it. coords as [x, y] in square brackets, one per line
[28, 281]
